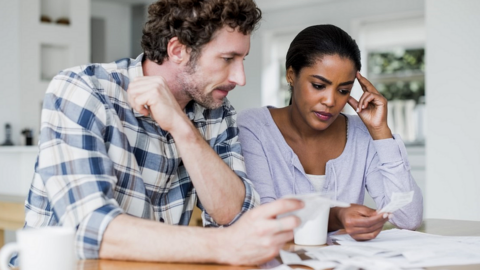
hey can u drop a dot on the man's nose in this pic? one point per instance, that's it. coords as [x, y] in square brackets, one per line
[237, 74]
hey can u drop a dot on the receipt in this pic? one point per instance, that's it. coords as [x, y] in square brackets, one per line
[398, 200]
[313, 201]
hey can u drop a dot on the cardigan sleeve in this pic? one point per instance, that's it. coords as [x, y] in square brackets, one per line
[256, 161]
[388, 172]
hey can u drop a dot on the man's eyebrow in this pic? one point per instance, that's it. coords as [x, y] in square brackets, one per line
[329, 82]
[234, 53]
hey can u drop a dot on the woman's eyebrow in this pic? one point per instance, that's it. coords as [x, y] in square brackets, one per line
[329, 82]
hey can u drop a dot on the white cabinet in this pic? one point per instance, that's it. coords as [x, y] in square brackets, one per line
[32, 52]
[35, 51]
[16, 169]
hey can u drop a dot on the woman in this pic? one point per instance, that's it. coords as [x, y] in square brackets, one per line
[311, 146]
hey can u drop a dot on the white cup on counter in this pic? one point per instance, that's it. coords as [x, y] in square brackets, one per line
[314, 232]
[46, 248]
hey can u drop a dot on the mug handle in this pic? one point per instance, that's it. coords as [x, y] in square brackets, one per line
[5, 254]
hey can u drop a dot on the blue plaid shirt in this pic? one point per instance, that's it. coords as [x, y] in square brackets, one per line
[98, 158]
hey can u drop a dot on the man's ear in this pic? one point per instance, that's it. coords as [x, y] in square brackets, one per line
[177, 52]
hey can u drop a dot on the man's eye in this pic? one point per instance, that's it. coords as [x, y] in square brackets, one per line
[227, 59]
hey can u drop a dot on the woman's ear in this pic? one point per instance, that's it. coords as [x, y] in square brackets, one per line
[290, 76]
[177, 52]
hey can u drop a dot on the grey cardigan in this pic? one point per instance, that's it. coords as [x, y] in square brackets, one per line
[379, 166]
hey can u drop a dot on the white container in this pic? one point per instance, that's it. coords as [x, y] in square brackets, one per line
[47, 248]
[314, 232]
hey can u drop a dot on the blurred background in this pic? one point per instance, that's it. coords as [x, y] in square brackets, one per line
[421, 54]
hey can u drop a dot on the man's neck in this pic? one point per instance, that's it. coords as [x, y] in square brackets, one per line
[169, 72]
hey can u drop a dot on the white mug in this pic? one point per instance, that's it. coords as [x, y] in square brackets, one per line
[314, 232]
[51, 248]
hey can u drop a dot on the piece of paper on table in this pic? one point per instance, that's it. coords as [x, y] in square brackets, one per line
[290, 258]
[280, 267]
[397, 201]
[312, 202]
[420, 249]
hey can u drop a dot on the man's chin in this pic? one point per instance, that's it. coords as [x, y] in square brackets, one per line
[211, 104]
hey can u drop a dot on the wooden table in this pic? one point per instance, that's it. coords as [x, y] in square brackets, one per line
[434, 226]
[12, 214]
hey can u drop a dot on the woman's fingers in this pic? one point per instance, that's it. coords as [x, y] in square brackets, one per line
[353, 102]
[367, 86]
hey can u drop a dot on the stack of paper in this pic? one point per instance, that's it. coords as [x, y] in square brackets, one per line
[392, 249]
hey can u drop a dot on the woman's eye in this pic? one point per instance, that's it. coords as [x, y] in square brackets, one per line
[318, 86]
[344, 92]
[227, 59]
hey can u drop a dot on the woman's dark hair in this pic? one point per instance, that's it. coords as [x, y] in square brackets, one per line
[194, 22]
[314, 42]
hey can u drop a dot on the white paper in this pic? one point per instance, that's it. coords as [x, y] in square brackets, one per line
[312, 202]
[280, 267]
[397, 201]
[420, 249]
[368, 263]
[289, 258]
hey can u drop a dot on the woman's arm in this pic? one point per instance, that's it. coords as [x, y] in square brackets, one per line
[388, 168]
[389, 172]
[256, 160]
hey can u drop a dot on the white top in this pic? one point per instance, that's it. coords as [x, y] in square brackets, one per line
[318, 181]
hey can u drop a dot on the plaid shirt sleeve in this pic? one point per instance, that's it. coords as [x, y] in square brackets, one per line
[73, 166]
[229, 149]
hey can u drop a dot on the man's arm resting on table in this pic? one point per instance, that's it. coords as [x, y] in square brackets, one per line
[131, 238]
[256, 238]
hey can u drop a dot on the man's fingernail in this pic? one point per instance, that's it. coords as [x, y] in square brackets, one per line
[358, 110]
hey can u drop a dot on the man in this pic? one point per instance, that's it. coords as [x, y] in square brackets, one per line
[127, 147]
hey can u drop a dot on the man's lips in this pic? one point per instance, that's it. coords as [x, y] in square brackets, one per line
[324, 116]
[225, 88]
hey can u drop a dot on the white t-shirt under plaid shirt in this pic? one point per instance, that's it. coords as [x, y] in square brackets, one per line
[98, 158]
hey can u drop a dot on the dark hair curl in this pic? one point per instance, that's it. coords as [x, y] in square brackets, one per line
[194, 22]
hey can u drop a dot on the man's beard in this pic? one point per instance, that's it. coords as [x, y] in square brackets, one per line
[187, 80]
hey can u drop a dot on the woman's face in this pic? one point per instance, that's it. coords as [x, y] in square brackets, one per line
[321, 91]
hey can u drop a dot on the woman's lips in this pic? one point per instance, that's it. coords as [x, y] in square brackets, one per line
[324, 116]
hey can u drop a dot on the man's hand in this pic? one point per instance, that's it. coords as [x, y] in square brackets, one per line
[151, 95]
[258, 236]
[359, 221]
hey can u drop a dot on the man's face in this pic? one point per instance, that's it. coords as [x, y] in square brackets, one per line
[218, 69]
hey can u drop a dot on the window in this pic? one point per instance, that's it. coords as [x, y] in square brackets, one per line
[399, 75]
[393, 59]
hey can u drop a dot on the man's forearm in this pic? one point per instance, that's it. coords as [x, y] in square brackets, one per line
[220, 190]
[131, 238]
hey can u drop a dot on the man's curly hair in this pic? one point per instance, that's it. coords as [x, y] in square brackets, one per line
[194, 22]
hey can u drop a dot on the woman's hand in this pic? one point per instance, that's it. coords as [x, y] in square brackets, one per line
[359, 221]
[372, 109]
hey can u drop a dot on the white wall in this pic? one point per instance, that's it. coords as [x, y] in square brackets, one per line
[117, 18]
[453, 95]
[343, 14]
[9, 71]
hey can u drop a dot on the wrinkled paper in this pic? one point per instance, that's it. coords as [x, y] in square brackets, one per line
[312, 201]
[398, 200]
